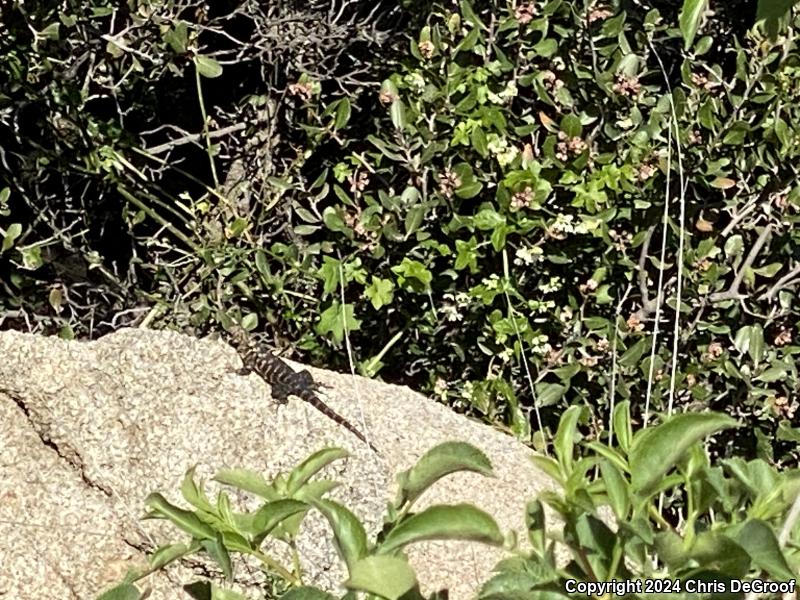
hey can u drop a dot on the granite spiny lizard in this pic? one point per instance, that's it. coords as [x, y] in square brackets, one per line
[284, 380]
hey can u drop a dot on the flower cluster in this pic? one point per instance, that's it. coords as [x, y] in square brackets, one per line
[569, 146]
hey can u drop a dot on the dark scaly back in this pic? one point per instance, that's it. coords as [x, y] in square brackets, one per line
[284, 380]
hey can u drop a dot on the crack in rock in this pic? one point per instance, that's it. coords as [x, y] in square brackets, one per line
[67, 454]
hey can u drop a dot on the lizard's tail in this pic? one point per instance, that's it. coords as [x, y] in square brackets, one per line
[337, 418]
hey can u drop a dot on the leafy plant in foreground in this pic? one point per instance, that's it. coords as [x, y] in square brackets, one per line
[379, 569]
[678, 518]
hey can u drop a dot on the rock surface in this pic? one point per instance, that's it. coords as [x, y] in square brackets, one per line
[89, 429]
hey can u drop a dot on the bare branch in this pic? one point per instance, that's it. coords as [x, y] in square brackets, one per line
[788, 280]
[733, 292]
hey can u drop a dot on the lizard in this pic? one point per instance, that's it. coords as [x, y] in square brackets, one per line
[285, 381]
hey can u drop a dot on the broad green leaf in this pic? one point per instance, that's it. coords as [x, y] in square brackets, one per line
[759, 541]
[773, 13]
[742, 340]
[313, 465]
[207, 66]
[723, 183]
[756, 347]
[307, 593]
[177, 37]
[440, 461]
[488, 219]
[564, 443]
[166, 554]
[398, 114]
[655, 451]
[548, 465]
[218, 593]
[348, 532]
[469, 190]
[250, 322]
[634, 353]
[183, 519]
[734, 245]
[611, 454]
[478, 139]
[216, 549]
[616, 489]
[772, 374]
[385, 576]
[194, 495]
[622, 425]
[714, 550]
[444, 522]
[571, 125]
[247, 480]
[380, 292]
[548, 394]
[12, 233]
[689, 20]
[343, 111]
[335, 319]
[126, 591]
[272, 513]
[535, 523]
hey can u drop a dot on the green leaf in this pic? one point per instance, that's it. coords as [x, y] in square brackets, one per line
[656, 450]
[622, 425]
[385, 576]
[207, 66]
[343, 111]
[571, 125]
[246, 480]
[126, 591]
[488, 219]
[444, 522]
[307, 593]
[772, 374]
[616, 489]
[548, 465]
[478, 139]
[380, 292]
[32, 257]
[469, 190]
[216, 549]
[714, 550]
[313, 465]
[689, 19]
[169, 553]
[272, 514]
[348, 532]
[756, 348]
[12, 233]
[334, 319]
[535, 523]
[398, 114]
[742, 339]
[634, 353]
[546, 48]
[194, 495]
[178, 37]
[759, 541]
[439, 461]
[774, 14]
[610, 454]
[564, 443]
[469, 14]
[548, 394]
[183, 519]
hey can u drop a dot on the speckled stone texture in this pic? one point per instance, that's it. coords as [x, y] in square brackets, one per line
[89, 429]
